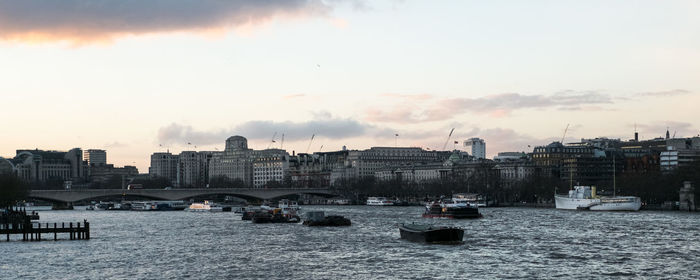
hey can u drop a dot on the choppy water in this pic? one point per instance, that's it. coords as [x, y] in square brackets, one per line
[506, 243]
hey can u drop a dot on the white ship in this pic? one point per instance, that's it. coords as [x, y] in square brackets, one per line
[206, 206]
[584, 198]
[379, 201]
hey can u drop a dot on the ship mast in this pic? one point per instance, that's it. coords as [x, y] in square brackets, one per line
[614, 183]
[571, 178]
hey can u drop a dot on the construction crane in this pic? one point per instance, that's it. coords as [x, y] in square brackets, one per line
[312, 140]
[565, 130]
[320, 149]
[448, 139]
[282, 142]
[273, 140]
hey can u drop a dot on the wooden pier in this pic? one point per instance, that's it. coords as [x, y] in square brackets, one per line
[34, 231]
[20, 222]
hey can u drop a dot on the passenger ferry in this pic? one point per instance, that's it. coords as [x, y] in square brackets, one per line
[207, 206]
[379, 201]
[585, 198]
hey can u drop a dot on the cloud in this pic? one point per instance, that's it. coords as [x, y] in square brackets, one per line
[293, 96]
[115, 144]
[323, 125]
[666, 93]
[420, 109]
[338, 129]
[95, 20]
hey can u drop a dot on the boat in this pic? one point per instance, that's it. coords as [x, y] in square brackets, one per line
[585, 198]
[473, 198]
[142, 206]
[275, 216]
[379, 201]
[111, 206]
[453, 209]
[431, 233]
[319, 218]
[206, 206]
[286, 204]
[176, 205]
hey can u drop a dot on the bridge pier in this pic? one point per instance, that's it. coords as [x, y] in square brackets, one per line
[62, 206]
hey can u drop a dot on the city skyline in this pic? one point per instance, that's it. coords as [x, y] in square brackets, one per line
[351, 73]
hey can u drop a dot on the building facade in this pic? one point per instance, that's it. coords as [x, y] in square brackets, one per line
[235, 162]
[105, 173]
[164, 165]
[95, 157]
[366, 162]
[39, 166]
[269, 166]
[193, 169]
[478, 147]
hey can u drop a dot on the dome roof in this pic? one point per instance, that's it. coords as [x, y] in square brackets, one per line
[454, 157]
[236, 138]
[236, 143]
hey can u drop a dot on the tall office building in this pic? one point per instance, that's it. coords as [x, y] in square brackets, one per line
[193, 169]
[478, 147]
[164, 165]
[95, 157]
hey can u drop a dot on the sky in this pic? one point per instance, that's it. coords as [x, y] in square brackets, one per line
[137, 77]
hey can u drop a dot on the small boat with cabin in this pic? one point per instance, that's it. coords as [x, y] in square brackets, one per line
[276, 215]
[431, 233]
[379, 201]
[318, 218]
[453, 209]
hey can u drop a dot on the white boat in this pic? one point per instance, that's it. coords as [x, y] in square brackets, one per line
[142, 206]
[471, 199]
[379, 201]
[206, 206]
[585, 198]
[286, 204]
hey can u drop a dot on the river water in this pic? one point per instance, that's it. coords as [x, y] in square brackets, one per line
[507, 243]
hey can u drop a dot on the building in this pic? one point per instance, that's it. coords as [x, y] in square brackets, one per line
[320, 169]
[164, 165]
[39, 166]
[366, 162]
[478, 147]
[551, 157]
[271, 165]
[193, 169]
[106, 174]
[235, 162]
[95, 157]
[510, 156]
[673, 158]
[512, 172]
[415, 173]
[595, 171]
[6, 166]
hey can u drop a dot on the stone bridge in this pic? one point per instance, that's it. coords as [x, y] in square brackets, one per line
[70, 196]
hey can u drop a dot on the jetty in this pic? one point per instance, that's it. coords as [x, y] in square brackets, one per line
[17, 221]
